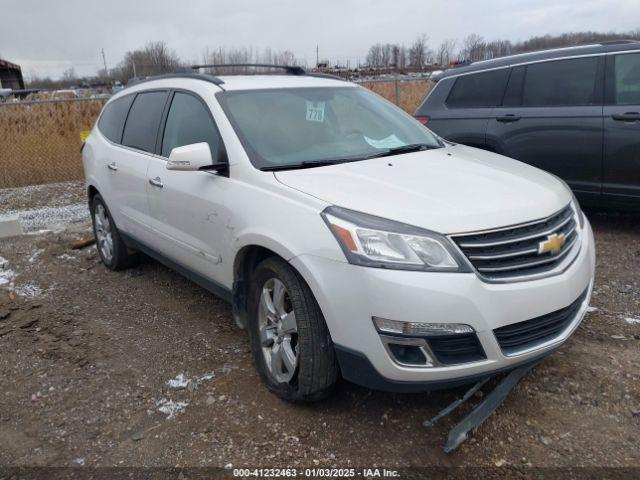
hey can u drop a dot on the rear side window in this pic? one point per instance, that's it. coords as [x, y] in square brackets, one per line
[112, 119]
[627, 79]
[142, 124]
[189, 122]
[478, 90]
[560, 83]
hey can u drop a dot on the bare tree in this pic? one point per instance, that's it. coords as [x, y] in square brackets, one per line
[69, 76]
[474, 47]
[418, 51]
[446, 51]
[154, 59]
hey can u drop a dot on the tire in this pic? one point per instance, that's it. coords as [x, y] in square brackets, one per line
[112, 250]
[316, 369]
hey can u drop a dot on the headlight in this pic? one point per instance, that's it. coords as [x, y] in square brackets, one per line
[372, 241]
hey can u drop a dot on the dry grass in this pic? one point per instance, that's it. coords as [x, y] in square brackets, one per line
[41, 143]
[411, 93]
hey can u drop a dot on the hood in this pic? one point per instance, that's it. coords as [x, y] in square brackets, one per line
[450, 190]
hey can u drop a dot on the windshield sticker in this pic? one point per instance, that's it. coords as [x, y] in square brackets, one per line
[315, 111]
[389, 142]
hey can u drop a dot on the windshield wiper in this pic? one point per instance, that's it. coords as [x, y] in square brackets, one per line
[413, 147]
[307, 164]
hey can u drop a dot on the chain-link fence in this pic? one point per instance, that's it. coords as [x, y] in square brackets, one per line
[407, 93]
[40, 141]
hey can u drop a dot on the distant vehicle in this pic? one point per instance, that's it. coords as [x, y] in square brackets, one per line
[574, 112]
[64, 95]
[349, 239]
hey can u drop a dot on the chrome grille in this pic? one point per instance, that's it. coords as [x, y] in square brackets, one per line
[513, 253]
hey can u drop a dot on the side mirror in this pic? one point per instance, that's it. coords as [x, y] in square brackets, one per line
[192, 158]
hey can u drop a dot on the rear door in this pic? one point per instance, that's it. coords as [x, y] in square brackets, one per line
[187, 208]
[459, 108]
[129, 165]
[551, 118]
[621, 170]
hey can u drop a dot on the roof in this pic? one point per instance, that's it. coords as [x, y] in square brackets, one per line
[593, 49]
[254, 82]
[6, 64]
[236, 82]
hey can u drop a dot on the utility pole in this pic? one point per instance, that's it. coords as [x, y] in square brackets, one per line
[133, 61]
[317, 55]
[104, 61]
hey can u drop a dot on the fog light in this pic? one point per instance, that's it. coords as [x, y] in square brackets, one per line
[415, 329]
[408, 354]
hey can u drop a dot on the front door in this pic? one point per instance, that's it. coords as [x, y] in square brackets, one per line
[621, 170]
[551, 118]
[187, 207]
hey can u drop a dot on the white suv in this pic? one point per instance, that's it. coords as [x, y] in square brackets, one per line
[349, 238]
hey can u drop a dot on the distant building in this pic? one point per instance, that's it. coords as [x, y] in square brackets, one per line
[11, 76]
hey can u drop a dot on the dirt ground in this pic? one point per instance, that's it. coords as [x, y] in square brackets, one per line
[87, 356]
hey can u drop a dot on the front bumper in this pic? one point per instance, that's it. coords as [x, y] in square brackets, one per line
[350, 296]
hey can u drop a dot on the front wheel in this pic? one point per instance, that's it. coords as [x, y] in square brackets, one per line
[111, 248]
[290, 341]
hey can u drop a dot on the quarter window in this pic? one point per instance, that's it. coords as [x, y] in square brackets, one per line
[112, 119]
[141, 128]
[560, 83]
[189, 122]
[478, 90]
[627, 79]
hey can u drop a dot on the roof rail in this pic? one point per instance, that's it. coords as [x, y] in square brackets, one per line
[290, 69]
[178, 74]
[618, 42]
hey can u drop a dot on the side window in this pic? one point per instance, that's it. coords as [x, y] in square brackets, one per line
[513, 94]
[560, 83]
[142, 124]
[478, 89]
[189, 122]
[627, 79]
[112, 119]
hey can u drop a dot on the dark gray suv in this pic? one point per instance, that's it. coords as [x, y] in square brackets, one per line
[574, 112]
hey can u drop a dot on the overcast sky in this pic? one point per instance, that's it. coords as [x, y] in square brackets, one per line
[47, 37]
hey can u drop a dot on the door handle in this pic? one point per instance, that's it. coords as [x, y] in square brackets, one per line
[113, 166]
[508, 118]
[626, 117]
[156, 182]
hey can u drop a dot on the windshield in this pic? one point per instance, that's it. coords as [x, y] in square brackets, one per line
[284, 128]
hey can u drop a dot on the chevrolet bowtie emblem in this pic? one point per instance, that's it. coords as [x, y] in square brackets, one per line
[553, 244]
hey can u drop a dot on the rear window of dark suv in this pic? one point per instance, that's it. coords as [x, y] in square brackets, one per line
[478, 90]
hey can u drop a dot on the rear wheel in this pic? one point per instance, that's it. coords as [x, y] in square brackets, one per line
[111, 248]
[290, 341]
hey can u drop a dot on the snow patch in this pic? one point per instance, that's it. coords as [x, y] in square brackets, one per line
[170, 408]
[181, 381]
[35, 255]
[6, 277]
[632, 320]
[592, 309]
[28, 290]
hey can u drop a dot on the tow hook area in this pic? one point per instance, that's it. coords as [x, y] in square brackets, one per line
[460, 432]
